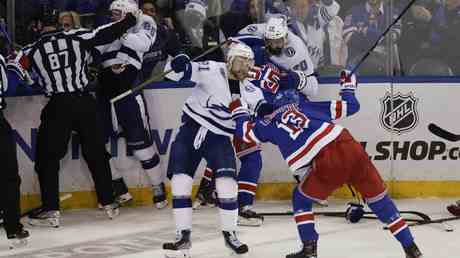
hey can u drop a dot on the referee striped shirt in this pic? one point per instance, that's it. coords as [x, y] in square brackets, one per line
[60, 59]
[3, 82]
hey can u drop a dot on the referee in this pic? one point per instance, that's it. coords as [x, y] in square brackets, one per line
[60, 59]
[9, 176]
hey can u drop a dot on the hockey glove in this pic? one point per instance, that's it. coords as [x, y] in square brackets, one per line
[180, 63]
[354, 212]
[347, 82]
[307, 84]
[238, 109]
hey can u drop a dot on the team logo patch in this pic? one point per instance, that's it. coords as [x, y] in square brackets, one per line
[399, 113]
[252, 28]
[290, 52]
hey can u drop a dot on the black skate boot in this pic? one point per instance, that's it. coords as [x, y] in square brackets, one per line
[232, 242]
[120, 191]
[412, 251]
[309, 250]
[19, 238]
[454, 209]
[159, 196]
[248, 217]
[180, 248]
[45, 218]
[205, 196]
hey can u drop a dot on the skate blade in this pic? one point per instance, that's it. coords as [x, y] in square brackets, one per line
[17, 243]
[183, 253]
[53, 223]
[250, 222]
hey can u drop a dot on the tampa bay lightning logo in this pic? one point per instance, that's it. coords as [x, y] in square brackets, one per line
[290, 51]
[252, 28]
[218, 110]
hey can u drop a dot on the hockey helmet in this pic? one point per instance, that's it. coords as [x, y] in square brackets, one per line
[124, 6]
[286, 97]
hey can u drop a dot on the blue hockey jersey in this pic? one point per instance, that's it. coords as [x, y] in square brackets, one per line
[299, 130]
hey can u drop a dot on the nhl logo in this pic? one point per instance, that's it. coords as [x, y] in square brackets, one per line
[399, 114]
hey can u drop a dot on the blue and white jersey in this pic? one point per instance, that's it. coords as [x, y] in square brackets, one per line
[313, 29]
[299, 130]
[131, 47]
[210, 98]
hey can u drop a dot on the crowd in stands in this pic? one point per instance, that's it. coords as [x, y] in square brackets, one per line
[424, 43]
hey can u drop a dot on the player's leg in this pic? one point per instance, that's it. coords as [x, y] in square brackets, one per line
[183, 162]
[366, 179]
[107, 116]
[132, 115]
[248, 177]
[304, 218]
[90, 129]
[52, 142]
[218, 152]
[9, 186]
[205, 196]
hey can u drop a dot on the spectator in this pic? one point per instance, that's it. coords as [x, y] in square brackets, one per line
[69, 20]
[363, 26]
[166, 43]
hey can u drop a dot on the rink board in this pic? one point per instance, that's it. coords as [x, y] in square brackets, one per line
[413, 161]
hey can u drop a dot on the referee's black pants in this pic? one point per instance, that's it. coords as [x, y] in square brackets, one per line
[9, 178]
[63, 114]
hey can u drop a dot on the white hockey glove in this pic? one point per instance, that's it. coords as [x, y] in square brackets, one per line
[347, 82]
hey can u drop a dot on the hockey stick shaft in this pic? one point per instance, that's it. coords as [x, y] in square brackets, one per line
[161, 75]
[377, 42]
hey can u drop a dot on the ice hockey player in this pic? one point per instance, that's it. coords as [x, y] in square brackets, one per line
[454, 208]
[121, 64]
[328, 155]
[206, 132]
[272, 43]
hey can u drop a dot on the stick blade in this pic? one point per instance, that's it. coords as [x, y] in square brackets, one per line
[438, 131]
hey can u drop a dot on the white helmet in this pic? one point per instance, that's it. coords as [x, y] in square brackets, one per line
[276, 27]
[125, 6]
[239, 49]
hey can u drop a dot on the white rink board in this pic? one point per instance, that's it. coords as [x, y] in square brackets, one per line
[437, 103]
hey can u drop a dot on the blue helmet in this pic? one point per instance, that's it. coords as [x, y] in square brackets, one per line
[285, 97]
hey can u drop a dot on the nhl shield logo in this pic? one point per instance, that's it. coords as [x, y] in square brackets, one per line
[399, 114]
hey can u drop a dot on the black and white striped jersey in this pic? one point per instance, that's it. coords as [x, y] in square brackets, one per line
[3, 82]
[60, 59]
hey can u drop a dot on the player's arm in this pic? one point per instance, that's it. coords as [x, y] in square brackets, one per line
[143, 38]
[247, 130]
[4, 76]
[307, 84]
[347, 106]
[107, 33]
[20, 65]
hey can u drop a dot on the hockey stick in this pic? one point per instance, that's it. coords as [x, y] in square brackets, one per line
[377, 42]
[161, 75]
[438, 131]
[423, 216]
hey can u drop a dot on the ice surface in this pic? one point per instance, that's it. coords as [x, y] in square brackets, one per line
[140, 232]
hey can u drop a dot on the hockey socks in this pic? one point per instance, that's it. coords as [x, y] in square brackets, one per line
[227, 189]
[181, 185]
[386, 211]
[251, 166]
[304, 216]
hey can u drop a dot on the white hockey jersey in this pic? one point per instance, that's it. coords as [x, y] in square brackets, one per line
[131, 47]
[210, 98]
[295, 55]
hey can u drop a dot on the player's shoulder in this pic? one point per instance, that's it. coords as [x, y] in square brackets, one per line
[255, 28]
[145, 19]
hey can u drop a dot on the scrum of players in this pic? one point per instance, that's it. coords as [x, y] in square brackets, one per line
[260, 93]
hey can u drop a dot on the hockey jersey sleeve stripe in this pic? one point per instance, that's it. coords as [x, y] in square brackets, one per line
[338, 109]
[248, 134]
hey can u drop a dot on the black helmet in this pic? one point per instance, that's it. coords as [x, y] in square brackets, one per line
[50, 16]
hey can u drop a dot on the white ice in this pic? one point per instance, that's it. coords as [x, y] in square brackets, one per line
[140, 232]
